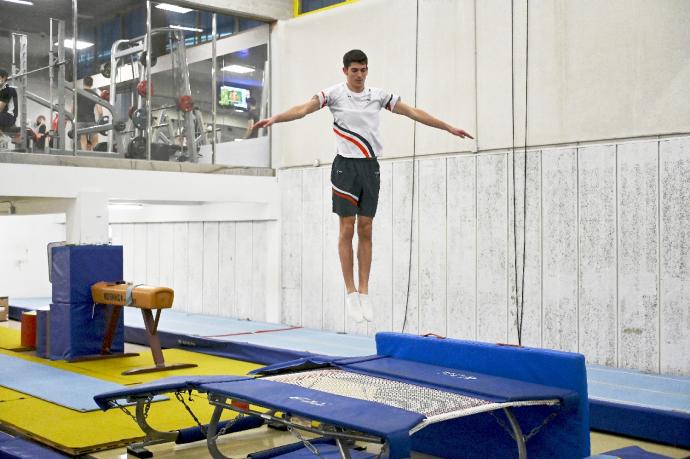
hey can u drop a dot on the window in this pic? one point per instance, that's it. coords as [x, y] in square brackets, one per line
[305, 6]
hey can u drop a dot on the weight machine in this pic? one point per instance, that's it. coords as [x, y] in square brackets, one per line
[175, 138]
[179, 131]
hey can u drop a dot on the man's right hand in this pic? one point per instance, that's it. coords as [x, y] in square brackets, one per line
[266, 122]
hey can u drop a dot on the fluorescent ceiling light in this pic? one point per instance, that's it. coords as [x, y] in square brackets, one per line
[191, 29]
[80, 44]
[125, 205]
[21, 2]
[235, 68]
[175, 8]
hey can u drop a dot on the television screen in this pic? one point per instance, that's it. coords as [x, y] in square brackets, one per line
[232, 97]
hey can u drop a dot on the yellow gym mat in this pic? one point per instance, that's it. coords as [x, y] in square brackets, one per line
[77, 433]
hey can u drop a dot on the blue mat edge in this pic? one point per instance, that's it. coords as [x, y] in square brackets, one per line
[661, 426]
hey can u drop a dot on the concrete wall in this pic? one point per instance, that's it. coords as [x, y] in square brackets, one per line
[215, 267]
[595, 71]
[24, 260]
[607, 242]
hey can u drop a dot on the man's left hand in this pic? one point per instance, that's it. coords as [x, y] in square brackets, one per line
[460, 133]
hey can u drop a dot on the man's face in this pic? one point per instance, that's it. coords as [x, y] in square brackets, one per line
[356, 75]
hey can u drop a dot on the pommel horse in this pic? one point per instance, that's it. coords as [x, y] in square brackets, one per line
[146, 298]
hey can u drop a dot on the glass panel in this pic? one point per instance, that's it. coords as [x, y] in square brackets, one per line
[241, 96]
[225, 25]
[312, 5]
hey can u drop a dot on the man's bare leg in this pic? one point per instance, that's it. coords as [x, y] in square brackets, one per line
[352, 303]
[364, 232]
[347, 232]
[364, 251]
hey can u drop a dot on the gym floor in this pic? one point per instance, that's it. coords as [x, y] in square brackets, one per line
[259, 439]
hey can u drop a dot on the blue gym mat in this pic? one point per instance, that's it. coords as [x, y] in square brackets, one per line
[64, 388]
[633, 388]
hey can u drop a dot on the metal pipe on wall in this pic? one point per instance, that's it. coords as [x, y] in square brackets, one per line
[75, 34]
[51, 80]
[214, 98]
[149, 130]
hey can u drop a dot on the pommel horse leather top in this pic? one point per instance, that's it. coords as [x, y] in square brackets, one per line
[138, 296]
[146, 298]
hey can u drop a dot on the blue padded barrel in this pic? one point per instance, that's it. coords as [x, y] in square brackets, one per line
[74, 268]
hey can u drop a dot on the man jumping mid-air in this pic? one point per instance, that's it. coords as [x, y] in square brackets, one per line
[355, 171]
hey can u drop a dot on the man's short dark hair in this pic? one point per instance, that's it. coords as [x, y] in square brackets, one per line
[4, 73]
[355, 55]
[88, 81]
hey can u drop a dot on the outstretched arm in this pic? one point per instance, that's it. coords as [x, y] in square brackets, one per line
[295, 113]
[423, 117]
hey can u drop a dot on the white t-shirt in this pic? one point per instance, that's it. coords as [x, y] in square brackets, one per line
[356, 118]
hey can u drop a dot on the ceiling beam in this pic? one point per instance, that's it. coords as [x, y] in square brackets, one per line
[265, 10]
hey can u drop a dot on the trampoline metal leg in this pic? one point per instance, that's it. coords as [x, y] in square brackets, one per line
[153, 436]
[519, 438]
[212, 433]
[344, 450]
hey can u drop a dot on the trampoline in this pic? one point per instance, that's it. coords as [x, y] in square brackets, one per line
[375, 399]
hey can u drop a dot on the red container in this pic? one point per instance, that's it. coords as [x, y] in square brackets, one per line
[28, 334]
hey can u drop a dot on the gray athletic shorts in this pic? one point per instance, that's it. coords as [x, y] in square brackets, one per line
[355, 184]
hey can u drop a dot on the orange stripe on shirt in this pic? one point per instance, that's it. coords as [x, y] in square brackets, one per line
[359, 145]
[344, 196]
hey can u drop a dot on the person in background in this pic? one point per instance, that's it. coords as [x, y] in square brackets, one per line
[85, 114]
[8, 98]
[253, 114]
[41, 132]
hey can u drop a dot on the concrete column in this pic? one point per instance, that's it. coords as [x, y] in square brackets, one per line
[87, 218]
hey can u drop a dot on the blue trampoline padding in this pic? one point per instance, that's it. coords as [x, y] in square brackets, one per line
[160, 386]
[77, 330]
[18, 448]
[309, 363]
[65, 388]
[566, 436]
[662, 426]
[75, 268]
[385, 421]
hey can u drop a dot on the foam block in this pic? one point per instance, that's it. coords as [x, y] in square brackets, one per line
[77, 330]
[42, 332]
[565, 436]
[74, 268]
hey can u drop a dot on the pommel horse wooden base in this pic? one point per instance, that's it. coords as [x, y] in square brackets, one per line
[146, 298]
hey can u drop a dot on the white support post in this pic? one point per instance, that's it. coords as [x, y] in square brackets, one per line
[87, 219]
